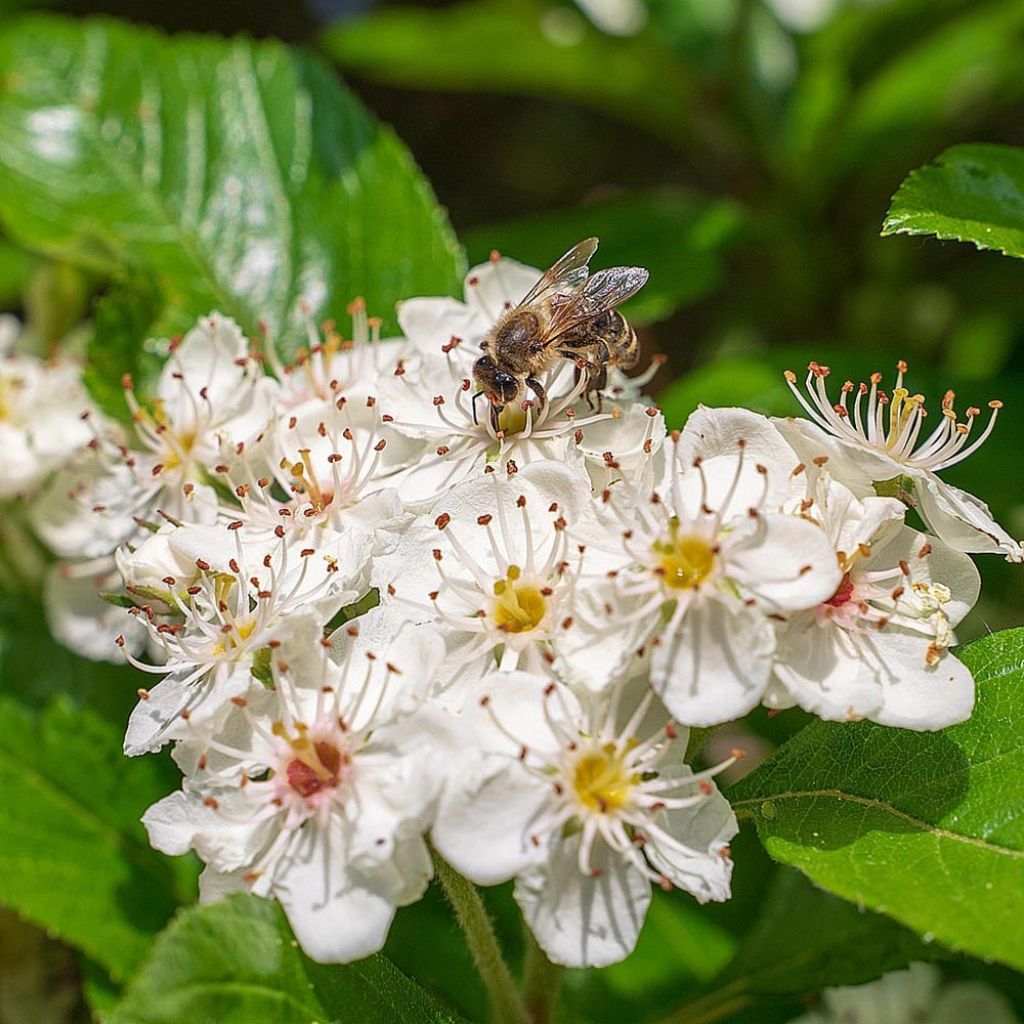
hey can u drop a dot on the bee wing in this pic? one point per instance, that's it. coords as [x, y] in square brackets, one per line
[603, 291]
[565, 275]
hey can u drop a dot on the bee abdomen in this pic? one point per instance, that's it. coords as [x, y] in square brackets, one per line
[623, 344]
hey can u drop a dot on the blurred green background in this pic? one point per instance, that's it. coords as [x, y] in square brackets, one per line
[745, 151]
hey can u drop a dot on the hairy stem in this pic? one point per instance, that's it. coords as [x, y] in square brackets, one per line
[505, 1002]
[542, 982]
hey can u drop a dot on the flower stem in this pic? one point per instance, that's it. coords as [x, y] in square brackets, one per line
[506, 1005]
[542, 981]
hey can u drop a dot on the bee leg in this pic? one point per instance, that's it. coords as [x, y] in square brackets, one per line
[538, 389]
[493, 412]
[598, 382]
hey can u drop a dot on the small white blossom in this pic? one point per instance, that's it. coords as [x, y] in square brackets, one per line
[710, 561]
[585, 805]
[877, 445]
[229, 605]
[498, 563]
[913, 996]
[317, 792]
[878, 647]
[43, 408]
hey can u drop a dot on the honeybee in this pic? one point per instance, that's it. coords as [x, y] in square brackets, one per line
[568, 314]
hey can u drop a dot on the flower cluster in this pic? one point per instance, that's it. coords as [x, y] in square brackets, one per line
[556, 594]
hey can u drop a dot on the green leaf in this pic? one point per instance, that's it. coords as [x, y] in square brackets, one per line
[956, 68]
[525, 48]
[972, 193]
[804, 940]
[925, 827]
[74, 857]
[34, 668]
[235, 962]
[15, 267]
[240, 175]
[120, 343]
[679, 237]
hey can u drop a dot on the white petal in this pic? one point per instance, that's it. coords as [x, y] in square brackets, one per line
[714, 665]
[579, 920]
[496, 286]
[918, 695]
[826, 670]
[483, 830]
[961, 520]
[712, 434]
[82, 620]
[206, 358]
[855, 465]
[784, 561]
[222, 837]
[940, 564]
[337, 914]
[432, 322]
[698, 860]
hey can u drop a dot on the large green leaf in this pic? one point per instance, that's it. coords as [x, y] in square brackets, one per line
[74, 857]
[525, 47]
[240, 175]
[803, 940]
[15, 266]
[681, 238]
[235, 962]
[972, 193]
[34, 668]
[925, 827]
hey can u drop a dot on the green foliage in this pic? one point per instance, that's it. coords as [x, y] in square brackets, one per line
[15, 267]
[34, 668]
[680, 238]
[924, 827]
[522, 47]
[239, 175]
[74, 857]
[802, 940]
[235, 962]
[971, 193]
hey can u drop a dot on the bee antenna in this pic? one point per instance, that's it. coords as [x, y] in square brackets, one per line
[476, 422]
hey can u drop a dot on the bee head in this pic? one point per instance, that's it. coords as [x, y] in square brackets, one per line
[500, 387]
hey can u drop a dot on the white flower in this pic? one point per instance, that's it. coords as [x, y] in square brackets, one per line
[585, 805]
[431, 395]
[913, 996]
[43, 409]
[81, 619]
[876, 446]
[332, 366]
[324, 475]
[317, 792]
[232, 601]
[710, 561]
[878, 647]
[212, 401]
[499, 564]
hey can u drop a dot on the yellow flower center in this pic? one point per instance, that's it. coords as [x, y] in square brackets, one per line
[236, 636]
[512, 419]
[602, 781]
[684, 562]
[518, 607]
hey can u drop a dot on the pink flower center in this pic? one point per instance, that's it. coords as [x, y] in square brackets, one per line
[843, 594]
[319, 768]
